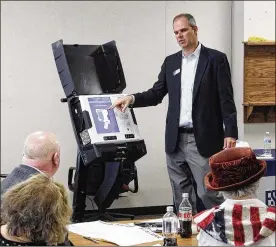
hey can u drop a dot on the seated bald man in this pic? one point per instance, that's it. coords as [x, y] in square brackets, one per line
[41, 154]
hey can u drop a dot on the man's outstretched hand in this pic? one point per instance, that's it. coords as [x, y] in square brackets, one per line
[122, 103]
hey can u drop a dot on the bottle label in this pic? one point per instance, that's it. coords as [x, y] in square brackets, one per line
[185, 215]
[267, 140]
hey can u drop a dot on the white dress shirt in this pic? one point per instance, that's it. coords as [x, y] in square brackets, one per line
[188, 71]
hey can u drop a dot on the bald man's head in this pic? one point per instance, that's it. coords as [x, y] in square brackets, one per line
[42, 150]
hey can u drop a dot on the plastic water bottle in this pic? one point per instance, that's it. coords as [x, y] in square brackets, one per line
[170, 225]
[267, 144]
[185, 217]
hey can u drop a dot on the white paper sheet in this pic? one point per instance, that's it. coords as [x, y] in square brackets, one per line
[121, 234]
[240, 143]
[265, 157]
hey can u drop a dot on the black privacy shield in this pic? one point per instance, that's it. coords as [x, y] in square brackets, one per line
[89, 69]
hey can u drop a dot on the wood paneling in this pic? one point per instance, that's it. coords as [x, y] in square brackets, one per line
[255, 72]
[259, 114]
[259, 51]
[259, 82]
[260, 43]
[259, 90]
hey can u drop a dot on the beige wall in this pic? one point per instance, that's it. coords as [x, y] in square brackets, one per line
[259, 19]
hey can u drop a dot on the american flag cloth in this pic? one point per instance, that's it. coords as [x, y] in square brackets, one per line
[237, 225]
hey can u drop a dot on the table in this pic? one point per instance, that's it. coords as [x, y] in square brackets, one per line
[266, 191]
[78, 240]
[271, 163]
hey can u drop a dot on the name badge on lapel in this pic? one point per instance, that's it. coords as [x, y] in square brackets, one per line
[176, 72]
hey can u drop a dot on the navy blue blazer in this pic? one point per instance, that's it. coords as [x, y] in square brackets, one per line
[213, 101]
[18, 174]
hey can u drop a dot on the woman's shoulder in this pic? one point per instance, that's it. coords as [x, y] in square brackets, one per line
[6, 242]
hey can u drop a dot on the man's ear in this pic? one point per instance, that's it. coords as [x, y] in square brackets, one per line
[195, 28]
[56, 159]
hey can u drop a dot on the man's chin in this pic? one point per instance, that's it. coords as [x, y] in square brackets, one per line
[183, 46]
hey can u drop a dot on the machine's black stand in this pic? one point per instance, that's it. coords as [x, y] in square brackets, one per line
[79, 188]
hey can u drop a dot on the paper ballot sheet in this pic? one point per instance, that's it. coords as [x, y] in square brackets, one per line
[121, 234]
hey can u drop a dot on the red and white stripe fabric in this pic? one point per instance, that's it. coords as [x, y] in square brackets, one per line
[236, 224]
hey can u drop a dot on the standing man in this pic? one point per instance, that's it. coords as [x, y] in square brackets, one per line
[41, 154]
[198, 82]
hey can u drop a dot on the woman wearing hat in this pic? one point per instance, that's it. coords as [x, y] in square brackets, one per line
[242, 219]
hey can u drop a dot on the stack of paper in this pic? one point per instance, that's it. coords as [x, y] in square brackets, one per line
[121, 234]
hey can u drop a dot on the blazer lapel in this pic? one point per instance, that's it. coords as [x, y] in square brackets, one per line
[201, 66]
[177, 77]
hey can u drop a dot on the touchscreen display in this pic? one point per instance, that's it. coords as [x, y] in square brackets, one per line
[105, 120]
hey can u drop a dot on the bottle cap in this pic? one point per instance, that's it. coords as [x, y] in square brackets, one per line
[185, 194]
[170, 209]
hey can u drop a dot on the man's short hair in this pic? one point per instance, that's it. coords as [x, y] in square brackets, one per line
[190, 18]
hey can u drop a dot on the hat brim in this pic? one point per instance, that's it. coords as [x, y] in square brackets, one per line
[209, 178]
